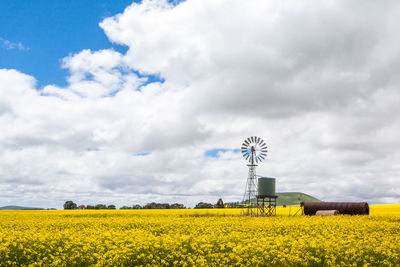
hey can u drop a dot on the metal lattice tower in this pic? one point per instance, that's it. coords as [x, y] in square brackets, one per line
[250, 194]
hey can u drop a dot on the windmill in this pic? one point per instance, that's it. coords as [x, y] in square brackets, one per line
[254, 150]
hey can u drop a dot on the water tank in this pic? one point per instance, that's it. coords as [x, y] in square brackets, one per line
[266, 186]
[352, 208]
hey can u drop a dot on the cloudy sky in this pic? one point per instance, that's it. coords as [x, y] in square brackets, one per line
[138, 102]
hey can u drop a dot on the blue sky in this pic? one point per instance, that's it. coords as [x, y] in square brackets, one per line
[214, 153]
[50, 31]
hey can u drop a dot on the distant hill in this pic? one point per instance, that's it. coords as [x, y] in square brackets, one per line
[294, 198]
[18, 208]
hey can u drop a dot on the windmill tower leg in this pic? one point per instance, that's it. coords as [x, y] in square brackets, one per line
[250, 194]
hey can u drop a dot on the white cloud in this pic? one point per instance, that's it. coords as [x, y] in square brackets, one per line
[317, 80]
[11, 45]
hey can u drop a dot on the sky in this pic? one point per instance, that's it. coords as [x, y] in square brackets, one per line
[128, 103]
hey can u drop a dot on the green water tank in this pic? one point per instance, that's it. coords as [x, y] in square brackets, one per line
[266, 186]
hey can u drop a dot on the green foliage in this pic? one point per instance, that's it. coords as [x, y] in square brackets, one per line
[220, 204]
[154, 205]
[70, 205]
[203, 205]
[100, 207]
[177, 206]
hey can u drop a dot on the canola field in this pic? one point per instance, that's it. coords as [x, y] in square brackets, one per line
[215, 237]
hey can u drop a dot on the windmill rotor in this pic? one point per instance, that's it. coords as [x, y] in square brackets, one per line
[254, 149]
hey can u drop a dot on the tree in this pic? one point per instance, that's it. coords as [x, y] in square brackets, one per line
[154, 205]
[176, 206]
[111, 207]
[162, 206]
[69, 205]
[125, 208]
[82, 207]
[151, 205]
[136, 207]
[90, 207]
[220, 204]
[203, 205]
[100, 207]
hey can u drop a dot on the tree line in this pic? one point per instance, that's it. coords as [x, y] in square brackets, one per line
[70, 205]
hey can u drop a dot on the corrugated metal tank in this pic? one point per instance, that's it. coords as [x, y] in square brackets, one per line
[352, 208]
[266, 186]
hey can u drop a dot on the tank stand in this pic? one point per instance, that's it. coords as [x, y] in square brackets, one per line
[266, 205]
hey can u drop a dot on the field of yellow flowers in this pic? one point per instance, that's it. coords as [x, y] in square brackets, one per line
[198, 237]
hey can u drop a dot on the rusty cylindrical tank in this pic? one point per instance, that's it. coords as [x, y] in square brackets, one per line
[352, 208]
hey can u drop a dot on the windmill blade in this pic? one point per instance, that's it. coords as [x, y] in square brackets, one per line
[262, 156]
[247, 157]
[248, 140]
[256, 160]
[258, 140]
[243, 147]
[263, 143]
[245, 142]
[259, 159]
